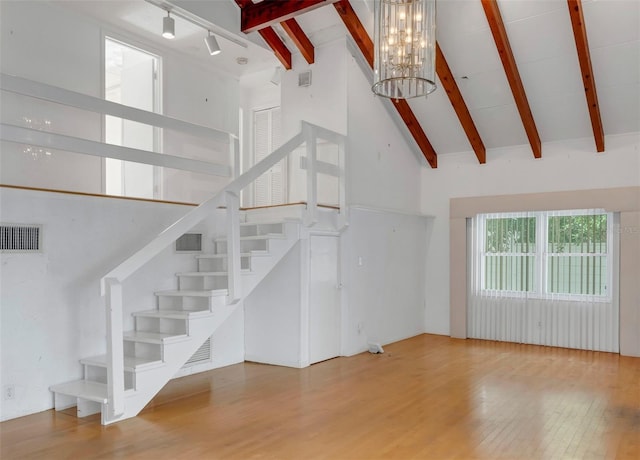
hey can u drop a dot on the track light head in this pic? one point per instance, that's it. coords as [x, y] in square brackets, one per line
[212, 44]
[168, 26]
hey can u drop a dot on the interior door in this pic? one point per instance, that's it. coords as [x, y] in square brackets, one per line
[324, 299]
[270, 188]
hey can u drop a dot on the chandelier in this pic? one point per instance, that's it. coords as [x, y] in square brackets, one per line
[404, 48]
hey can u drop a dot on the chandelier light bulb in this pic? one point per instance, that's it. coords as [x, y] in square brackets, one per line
[404, 48]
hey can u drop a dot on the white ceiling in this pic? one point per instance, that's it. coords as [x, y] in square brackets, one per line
[541, 38]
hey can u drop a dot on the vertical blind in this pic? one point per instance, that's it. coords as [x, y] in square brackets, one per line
[545, 278]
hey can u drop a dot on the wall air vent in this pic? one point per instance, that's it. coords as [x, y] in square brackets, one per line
[304, 78]
[189, 242]
[20, 238]
[202, 355]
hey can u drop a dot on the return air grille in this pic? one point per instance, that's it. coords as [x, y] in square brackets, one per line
[20, 238]
[202, 355]
[189, 242]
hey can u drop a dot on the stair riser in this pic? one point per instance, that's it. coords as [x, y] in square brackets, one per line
[164, 325]
[202, 282]
[99, 374]
[190, 303]
[148, 351]
[220, 264]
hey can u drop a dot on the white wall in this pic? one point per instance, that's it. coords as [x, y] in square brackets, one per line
[51, 310]
[383, 265]
[324, 102]
[57, 46]
[567, 165]
[381, 170]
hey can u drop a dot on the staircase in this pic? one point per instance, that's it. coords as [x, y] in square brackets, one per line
[138, 363]
[165, 338]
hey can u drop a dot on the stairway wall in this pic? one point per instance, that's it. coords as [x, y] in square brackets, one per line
[51, 310]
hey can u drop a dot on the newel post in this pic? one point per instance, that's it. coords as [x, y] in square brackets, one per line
[311, 216]
[115, 351]
[233, 246]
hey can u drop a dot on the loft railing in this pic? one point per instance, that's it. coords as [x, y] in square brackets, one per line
[111, 283]
[78, 126]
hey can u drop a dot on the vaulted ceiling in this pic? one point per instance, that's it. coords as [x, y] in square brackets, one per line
[501, 51]
[510, 72]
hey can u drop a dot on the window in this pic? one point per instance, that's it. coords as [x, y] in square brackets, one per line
[509, 256]
[560, 254]
[576, 258]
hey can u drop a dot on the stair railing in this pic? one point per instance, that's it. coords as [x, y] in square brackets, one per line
[228, 197]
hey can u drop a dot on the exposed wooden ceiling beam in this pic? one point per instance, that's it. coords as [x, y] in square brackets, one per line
[277, 45]
[362, 39]
[499, 33]
[407, 115]
[584, 57]
[455, 97]
[271, 38]
[256, 16]
[293, 29]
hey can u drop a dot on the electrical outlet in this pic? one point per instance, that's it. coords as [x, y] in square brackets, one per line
[9, 392]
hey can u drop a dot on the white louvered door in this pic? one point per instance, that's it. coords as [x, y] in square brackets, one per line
[270, 188]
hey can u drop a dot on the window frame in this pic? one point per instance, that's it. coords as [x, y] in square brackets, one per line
[541, 256]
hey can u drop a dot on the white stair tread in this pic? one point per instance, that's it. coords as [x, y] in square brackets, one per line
[85, 389]
[257, 252]
[154, 337]
[244, 270]
[131, 363]
[173, 314]
[194, 293]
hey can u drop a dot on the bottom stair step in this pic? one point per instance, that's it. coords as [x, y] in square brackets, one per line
[85, 389]
[131, 363]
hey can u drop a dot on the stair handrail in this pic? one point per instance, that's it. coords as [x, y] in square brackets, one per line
[196, 215]
[111, 283]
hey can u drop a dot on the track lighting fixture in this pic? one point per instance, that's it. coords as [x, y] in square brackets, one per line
[168, 26]
[212, 44]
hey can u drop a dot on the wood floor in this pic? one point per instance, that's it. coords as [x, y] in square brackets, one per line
[429, 397]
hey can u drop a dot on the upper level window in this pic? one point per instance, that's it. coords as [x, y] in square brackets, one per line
[559, 254]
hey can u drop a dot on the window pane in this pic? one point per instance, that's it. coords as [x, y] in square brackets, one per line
[509, 273]
[577, 275]
[586, 234]
[511, 235]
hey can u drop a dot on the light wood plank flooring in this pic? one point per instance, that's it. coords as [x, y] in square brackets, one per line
[429, 397]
